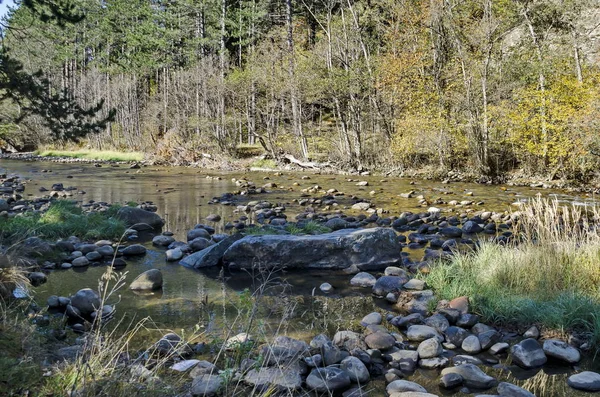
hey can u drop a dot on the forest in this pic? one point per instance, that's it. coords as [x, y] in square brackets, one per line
[487, 87]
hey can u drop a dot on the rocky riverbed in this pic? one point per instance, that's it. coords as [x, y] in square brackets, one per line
[352, 242]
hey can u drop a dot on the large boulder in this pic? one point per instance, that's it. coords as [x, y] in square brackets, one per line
[86, 301]
[139, 219]
[367, 249]
[528, 354]
[586, 381]
[210, 256]
[328, 380]
[561, 350]
[284, 379]
[472, 376]
[149, 280]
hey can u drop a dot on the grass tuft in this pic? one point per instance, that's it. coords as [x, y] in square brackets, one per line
[551, 277]
[106, 155]
[63, 219]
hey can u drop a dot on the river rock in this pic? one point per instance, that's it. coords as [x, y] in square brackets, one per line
[586, 381]
[412, 394]
[380, 340]
[419, 333]
[363, 279]
[532, 332]
[386, 284]
[106, 250]
[198, 232]
[471, 344]
[488, 338]
[210, 256]
[400, 386]
[213, 218]
[561, 350]
[472, 376]
[86, 301]
[356, 369]
[93, 256]
[328, 379]
[34, 247]
[461, 304]
[510, 390]
[37, 278]
[451, 381]
[82, 261]
[415, 284]
[528, 354]
[370, 319]
[456, 335]
[430, 348]
[171, 344]
[162, 241]
[434, 362]
[439, 322]
[331, 354]
[499, 347]
[203, 367]
[349, 340]
[139, 219]
[366, 249]
[206, 385]
[174, 255]
[149, 280]
[284, 350]
[283, 379]
[135, 249]
[199, 243]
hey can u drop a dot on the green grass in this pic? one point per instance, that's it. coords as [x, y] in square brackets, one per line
[63, 219]
[106, 155]
[550, 278]
[264, 163]
[310, 227]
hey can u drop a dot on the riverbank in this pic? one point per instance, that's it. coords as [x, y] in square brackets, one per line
[262, 164]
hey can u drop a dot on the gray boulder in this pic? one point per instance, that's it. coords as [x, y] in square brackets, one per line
[363, 279]
[174, 254]
[430, 348]
[366, 249]
[86, 301]
[149, 280]
[206, 385]
[472, 376]
[283, 379]
[356, 369]
[162, 241]
[135, 249]
[528, 354]
[561, 350]
[198, 232]
[399, 386]
[139, 219]
[510, 390]
[586, 381]
[210, 256]
[419, 333]
[327, 380]
[380, 340]
[386, 284]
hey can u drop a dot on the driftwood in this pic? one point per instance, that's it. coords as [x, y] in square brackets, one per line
[305, 164]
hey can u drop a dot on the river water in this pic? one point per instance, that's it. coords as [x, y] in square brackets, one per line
[201, 302]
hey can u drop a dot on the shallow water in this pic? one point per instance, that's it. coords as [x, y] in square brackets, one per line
[205, 300]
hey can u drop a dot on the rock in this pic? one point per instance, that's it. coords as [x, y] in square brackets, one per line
[419, 333]
[532, 332]
[327, 380]
[586, 381]
[93, 256]
[336, 224]
[467, 320]
[395, 271]
[356, 369]
[206, 385]
[451, 381]
[203, 367]
[149, 280]
[284, 379]
[234, 342]
[135, 249]
[510, 390]
[561, 350]
[363, 279]
[386, 284]
[284, 350]
[53, 302]
[34, 247]
[528, 354]
[174, 254]
[199, 243]
[451, 231]
[380, 340]
[82, 261]
[415, 284]
[399, 386]
[456, 335]
[412, 394]
[139, 219]
[488, 338]
[171, 344]
[331, 354]
[37, 278]
[185, 365]
[349, 340]
[498, 348]
[86, 301]
[213, 218]
[361, 206]
[439, 322]
[210, 256]
[465, 359]
[198, 232]
[162, 241]
[461, 304]
[434, 362]
[472, 376]
[106, 250]
[365, 248]
[371, 318]
[326, 287]
[471, 227]
[471, 344]
[430, 348]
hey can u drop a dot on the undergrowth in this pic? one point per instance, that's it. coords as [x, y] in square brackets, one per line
[106, 155]
[63, 219]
